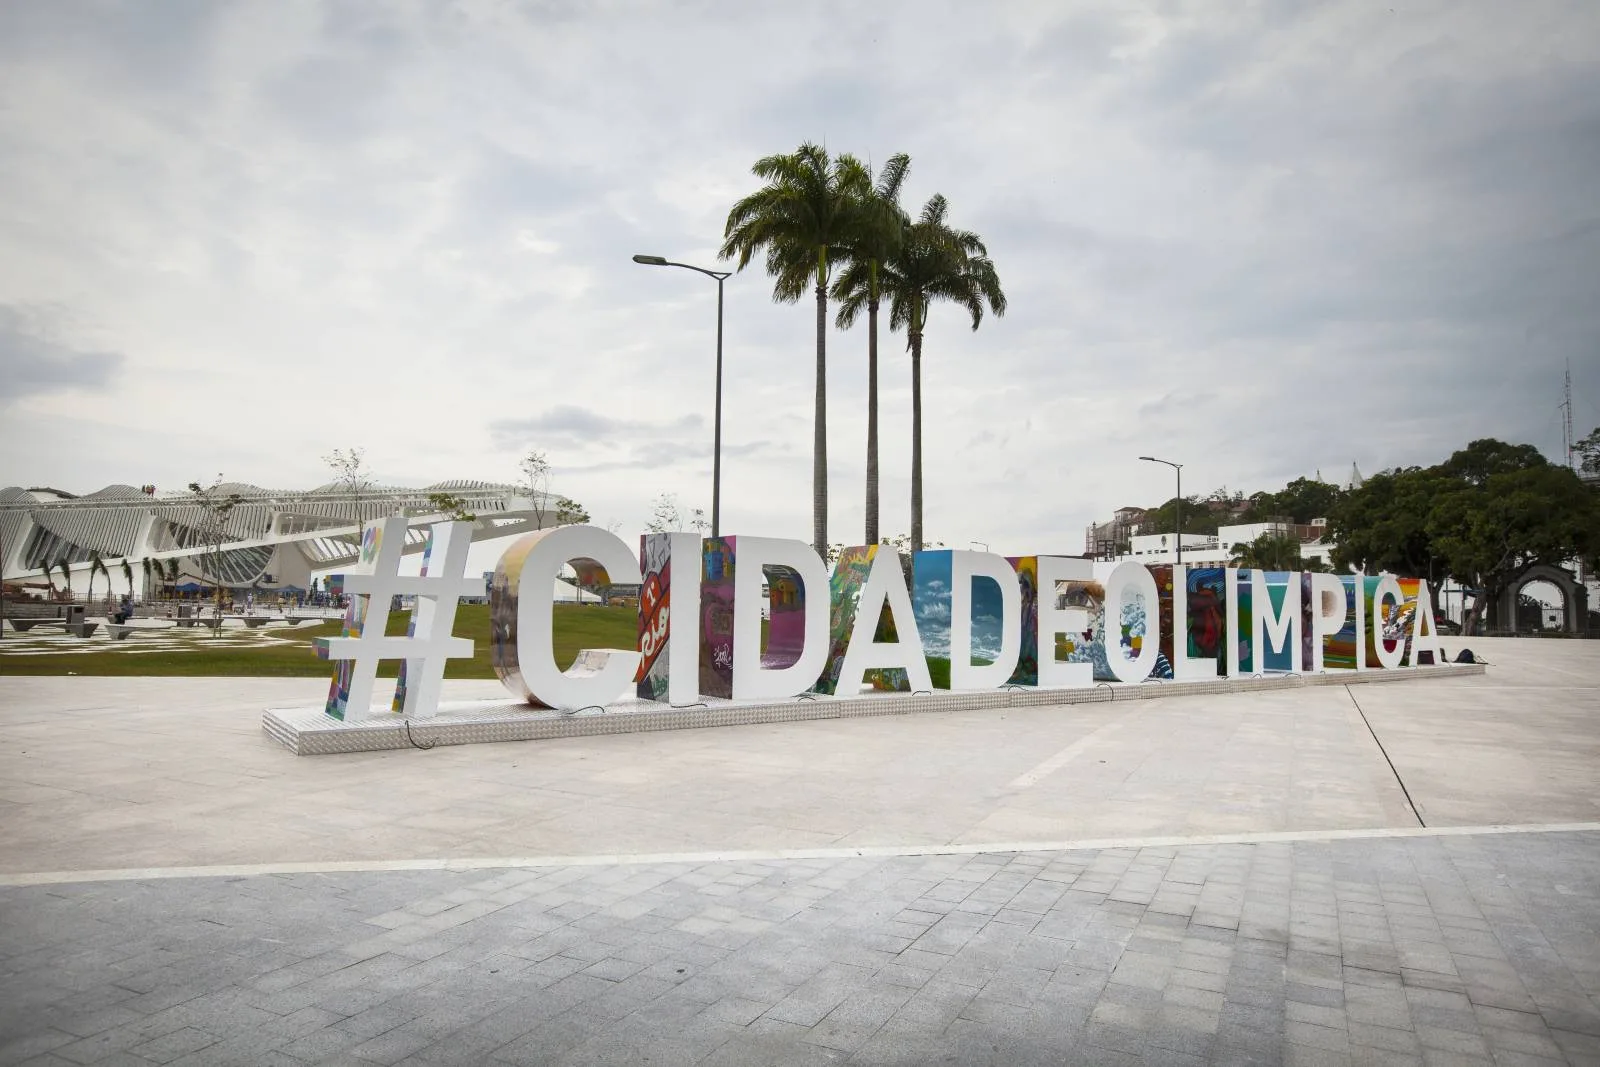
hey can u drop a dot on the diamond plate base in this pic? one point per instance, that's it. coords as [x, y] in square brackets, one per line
[310, 732]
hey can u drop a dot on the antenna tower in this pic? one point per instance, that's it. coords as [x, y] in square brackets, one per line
[1566, 408]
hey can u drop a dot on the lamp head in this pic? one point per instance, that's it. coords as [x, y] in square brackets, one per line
[651, 261]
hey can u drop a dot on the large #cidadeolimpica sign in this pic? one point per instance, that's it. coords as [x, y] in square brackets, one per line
[763, 619]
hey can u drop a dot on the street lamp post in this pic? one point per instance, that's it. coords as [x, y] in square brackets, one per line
[716, 446]
[1178, 519]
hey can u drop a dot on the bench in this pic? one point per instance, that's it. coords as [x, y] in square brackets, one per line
[252, 621]
[119, 631]
[77, 629]
[195, 620]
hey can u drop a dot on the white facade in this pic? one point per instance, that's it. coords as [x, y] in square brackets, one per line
[1218, 550]
[274, 539]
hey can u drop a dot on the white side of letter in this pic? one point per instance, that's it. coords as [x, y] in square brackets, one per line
[1328, 614]
[1230, 611]
[683, 602]
[1123, 579]
[1425, 642]
[886, 583]
[1185, 668]
[535, 652]
[1388, 589]
[1272, 630]
[750, 680]
[1054, 620]
[964, 566]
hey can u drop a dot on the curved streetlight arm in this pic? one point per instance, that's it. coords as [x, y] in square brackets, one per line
[659, 261]
[1177, 534]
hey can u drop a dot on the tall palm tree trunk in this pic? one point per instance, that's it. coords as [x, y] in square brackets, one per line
[819, 444]
[916, 438]
[872, 419]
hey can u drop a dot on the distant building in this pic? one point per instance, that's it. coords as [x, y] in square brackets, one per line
[274, 539]
[1204, 548]
[1128, 535]
[1108, 539]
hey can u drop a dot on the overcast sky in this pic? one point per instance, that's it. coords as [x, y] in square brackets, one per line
[234, 237]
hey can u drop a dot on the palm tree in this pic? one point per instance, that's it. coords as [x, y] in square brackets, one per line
[96, 566]
[127, 574]
[172, 573]
[802, 219]
[66, 574]
[934, 262]
[879, 226]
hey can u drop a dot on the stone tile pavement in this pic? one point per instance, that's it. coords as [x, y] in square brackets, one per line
[1462, 949]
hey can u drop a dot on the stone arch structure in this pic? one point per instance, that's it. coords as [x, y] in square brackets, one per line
[1574, 598]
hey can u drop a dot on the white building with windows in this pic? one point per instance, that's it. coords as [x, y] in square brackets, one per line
[1218, 550]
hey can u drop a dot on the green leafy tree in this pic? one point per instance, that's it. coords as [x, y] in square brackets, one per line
[1274, 552]
[569, 511]
[1482, 459]
[879, 225]
[1385, 525]
[1482, 517]
[1489, 533]
[1197, 518]
[1588, 450]
[803, 220]
[1300, 501]
[453, 506]
[934, 262]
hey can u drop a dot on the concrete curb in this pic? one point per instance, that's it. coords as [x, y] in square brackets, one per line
[310, 732]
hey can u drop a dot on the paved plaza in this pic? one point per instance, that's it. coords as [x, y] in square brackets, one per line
[1400, 873]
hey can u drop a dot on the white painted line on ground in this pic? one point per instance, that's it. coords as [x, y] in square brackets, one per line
[247, 870]
[1068, 754]
[1517, 688]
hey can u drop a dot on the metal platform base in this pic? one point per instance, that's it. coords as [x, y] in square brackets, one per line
[310, 732]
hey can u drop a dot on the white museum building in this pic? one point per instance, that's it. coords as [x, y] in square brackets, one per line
[274, 540]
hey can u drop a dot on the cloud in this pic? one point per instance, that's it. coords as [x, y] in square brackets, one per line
[1259, 242]
[31, 364]
[569, 425]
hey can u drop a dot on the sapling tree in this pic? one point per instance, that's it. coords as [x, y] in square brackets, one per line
[535, 468]
[216, 509]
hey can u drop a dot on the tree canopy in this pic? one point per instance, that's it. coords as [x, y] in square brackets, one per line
[1274, 552]
[1300, 501]
[1482, 517]
[1588, 451]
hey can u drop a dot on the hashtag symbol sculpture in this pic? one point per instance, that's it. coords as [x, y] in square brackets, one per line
[428, 642]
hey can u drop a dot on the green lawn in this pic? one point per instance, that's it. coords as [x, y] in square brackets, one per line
[576, 627]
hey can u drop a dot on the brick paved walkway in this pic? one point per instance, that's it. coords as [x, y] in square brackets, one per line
[1480, 948]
